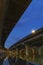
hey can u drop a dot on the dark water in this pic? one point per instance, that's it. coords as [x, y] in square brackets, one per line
[19, 62]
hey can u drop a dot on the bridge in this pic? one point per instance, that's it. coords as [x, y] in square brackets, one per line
[28, 49]
[10, 13]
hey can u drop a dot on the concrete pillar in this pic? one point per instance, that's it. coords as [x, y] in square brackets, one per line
[17, 55]
[33, 52]
[1, 28]
[39, 51]
[20, 56]
[27, 54]
[3, 9]
[40, 59]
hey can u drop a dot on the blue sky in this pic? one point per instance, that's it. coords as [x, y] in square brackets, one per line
[32, 19]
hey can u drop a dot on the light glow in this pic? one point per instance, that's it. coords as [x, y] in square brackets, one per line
[33, 31]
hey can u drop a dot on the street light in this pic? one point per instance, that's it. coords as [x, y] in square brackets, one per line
[33, 31]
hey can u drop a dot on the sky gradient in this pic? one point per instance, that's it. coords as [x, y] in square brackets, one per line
[32, 19]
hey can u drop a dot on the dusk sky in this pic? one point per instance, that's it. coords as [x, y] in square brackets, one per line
[32, 19]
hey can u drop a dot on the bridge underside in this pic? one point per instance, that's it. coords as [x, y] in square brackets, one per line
[10, 12]
[29, 49]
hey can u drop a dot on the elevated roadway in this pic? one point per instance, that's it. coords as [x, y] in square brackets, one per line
[29, 48]
[10, 13]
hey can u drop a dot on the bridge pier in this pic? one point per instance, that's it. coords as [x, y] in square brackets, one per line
[39, 51]
[17, 54]
[33, 52]
[27, 54]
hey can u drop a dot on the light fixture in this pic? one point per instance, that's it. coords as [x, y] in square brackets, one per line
[33, 31]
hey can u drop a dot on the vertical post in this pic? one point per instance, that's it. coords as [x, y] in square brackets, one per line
[33, 51]
[26, 47]
[16, 54]
[40, 51]
[3, 9]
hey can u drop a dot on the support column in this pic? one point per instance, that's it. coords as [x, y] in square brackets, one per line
[39, 51]
[17, 54]
[33, 51]
[3, 9]
[26, 47]
[40, 59]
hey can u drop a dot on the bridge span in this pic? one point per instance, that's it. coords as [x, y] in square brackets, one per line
[29, 49]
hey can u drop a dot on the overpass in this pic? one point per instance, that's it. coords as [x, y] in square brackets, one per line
[10, 13]
[29, 49]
